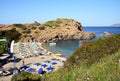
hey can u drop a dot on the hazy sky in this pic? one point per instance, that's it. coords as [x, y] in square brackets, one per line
[88, 12]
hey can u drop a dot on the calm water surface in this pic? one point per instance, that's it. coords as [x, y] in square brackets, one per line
[67, 47]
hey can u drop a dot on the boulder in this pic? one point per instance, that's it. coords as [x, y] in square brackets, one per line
[106, 34]
[88, 35]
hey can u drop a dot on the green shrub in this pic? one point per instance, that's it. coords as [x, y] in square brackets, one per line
[20, 26]
[3, 47]
[53, 23]
[36, 23]
[25, 76]
[34, 77]
[10, 34]
[28, 31]
[33, 27]
[91, 52]
[58, 21]
[41, 27]
[50, 23]
[36, 31]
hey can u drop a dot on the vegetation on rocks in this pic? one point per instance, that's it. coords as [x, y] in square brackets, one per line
[42, 27]
[19, 26]
[36, 23]
[28, 31]
[53, 23]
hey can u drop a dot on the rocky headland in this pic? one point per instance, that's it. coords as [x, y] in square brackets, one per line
[51, 31]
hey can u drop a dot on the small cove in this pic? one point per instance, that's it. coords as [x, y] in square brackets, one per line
[67, 47]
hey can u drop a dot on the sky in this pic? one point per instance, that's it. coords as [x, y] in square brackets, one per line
[88, 12]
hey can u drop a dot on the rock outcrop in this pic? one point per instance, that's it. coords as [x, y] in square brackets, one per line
[106, 34]
[52, 31]
[67, 29]
[88, 35]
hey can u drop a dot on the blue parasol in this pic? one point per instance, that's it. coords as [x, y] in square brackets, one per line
[53, 63]
[24, 67]
[40, 71]
[47, 61]
[37, 64]
[31, 69]
[62, 61]
[44, 65]
[50, 68]
[53, 58]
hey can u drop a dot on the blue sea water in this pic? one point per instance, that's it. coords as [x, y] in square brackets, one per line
[67, 47]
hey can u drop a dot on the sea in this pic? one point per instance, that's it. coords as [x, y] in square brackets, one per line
[67, 47]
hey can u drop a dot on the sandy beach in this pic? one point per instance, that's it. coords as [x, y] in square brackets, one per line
[30, 61]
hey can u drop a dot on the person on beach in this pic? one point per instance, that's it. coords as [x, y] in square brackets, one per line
[23, 61]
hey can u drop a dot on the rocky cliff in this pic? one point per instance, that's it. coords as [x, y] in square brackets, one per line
[51, 31]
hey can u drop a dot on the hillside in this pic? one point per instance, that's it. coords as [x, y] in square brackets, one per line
[108, 69]
[94, 61]
[51, 31]
[91, 52]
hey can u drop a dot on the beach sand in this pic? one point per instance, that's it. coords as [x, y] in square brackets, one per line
[31, 60]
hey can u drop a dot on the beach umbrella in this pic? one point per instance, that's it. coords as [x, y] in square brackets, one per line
[40, 70]
[53, 58]
[62, 61]
[53, 63]
[24, 67]
[37, 63]
[58, 55]
[50, 68]
[47, 61]
[31, 69]
[44, 65]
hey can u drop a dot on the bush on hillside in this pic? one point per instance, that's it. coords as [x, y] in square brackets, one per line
[108, 69]
[33, 27]
[58, 21]
[36, 23]
[19, 26]
[10, 34]
[28, 31]
[42, 27]
[3, 47]
[37, 32]
[25, 76]
[50, 23]
[91, 52]
[53, 23]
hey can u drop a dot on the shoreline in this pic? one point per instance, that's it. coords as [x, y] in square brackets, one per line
[42, 45]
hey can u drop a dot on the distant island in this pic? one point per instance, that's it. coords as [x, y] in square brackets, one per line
[116, 25]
